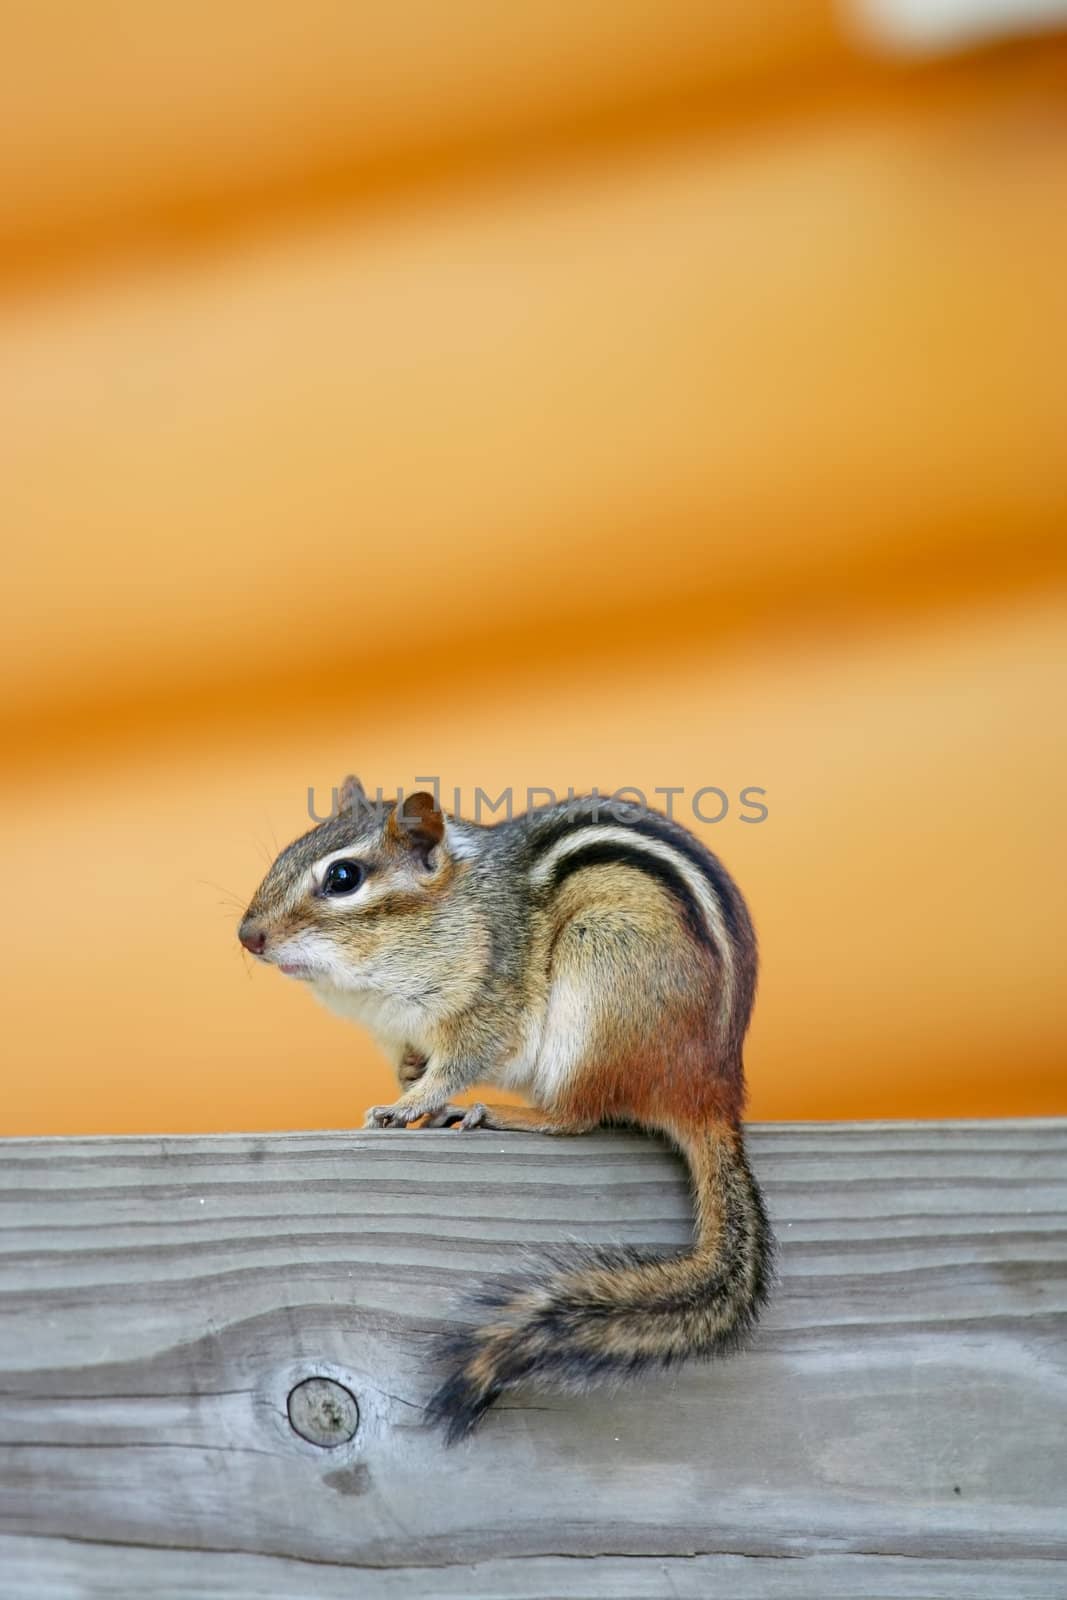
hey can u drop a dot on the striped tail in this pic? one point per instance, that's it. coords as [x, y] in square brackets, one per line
[601, 1314]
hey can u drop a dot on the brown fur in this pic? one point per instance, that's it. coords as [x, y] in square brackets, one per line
[599, 943]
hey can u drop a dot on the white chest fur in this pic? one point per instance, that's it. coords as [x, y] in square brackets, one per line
[395, 1023]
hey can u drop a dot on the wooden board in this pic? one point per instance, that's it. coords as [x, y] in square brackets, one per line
[899, 1428]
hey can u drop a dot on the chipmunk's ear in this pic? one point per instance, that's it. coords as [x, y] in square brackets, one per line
[417, 823]
[352, 794]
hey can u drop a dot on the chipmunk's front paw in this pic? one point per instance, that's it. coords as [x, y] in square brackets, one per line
[400, 1115]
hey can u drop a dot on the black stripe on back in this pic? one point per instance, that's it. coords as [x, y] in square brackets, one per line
[722, 884]
[604, 852]
[655, 826]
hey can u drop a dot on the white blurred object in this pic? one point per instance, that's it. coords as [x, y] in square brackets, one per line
[926, 27]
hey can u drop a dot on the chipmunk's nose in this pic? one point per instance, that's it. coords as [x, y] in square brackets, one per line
[252, 936]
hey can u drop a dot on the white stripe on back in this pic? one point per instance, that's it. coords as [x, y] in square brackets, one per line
[691, 876]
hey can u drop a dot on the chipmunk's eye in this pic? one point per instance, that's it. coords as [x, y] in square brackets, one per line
[342, 877]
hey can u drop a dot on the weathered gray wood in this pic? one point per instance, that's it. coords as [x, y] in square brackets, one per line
[899, 1427]
[56, 1569]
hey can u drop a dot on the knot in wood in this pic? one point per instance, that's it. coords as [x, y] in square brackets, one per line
[323, 1412]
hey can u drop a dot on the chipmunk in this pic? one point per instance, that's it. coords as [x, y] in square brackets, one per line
[604, 968]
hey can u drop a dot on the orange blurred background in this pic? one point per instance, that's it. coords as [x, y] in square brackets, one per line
[660, 394]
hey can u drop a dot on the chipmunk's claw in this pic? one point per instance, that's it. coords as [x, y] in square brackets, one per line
[461, 1117]
[447, 1117]
[400, 1115]
[395, 1116]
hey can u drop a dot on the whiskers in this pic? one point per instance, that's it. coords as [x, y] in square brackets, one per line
[231, 901]
[269, 855]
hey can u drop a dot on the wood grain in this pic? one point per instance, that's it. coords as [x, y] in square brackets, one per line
[899, 1427]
